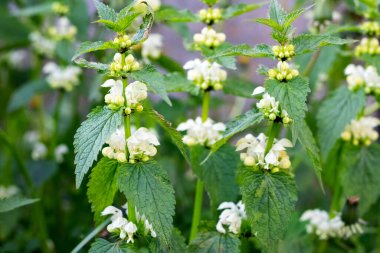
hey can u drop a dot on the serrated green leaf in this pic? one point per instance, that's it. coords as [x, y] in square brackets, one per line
[178, 244]
[175, 82]
[268, 22]
[239, 9]
[101, 67]
[361, 175]
[261, 50]
[218, 173]
[238, 87]
[103, 246]
[154, 80]
[335, 113]
[292, 16]
[269, 200]
[292, 96]
[171, 14]
[103, 179]
[11, 203]
[89, 46]
[168, 64]
[147, 186]
[90, 137]
[214, 242]
[105, 12]
[143, 32]
[276, 12]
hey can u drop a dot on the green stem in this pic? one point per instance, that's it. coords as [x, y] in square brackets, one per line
[312, 62]
[337, 192]
[56, 116]
[205, 105]
[371, 109]
[273, 131]
[322, 246]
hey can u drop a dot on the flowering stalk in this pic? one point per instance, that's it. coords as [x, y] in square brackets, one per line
[273, 131]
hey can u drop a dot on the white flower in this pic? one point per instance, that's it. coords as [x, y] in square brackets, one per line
[358, 77]
[8, 191]
[39, 151]
[202, 133]
[205, 74]
[135, 93]
[152, 46]
[119, 224]
[255, 156]
[116, 149]
[63, 29]
[62, 77]
[141, 144]
[60, 151]
[361, 131]
[17, 58]
[130, 228]
[32, 137]
[231, 216]
[114, 98]
[209, 37]
[41, 44]
[154, 4]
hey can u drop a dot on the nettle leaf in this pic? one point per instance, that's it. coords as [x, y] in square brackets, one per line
[214, 242]
[292, 96]
[100, 67]
[373, 60]
[306, 43]
[238, 87]
[90, 137]
[176, 82]
[268, 22]
[105, 12]
[239, 9]
[276, 12]
[102, 186]
[89, 46]
[335, 113]
[11, 203]
[178, 244]
[103, 246]
[218, 173]
[258, 51]
[171, 14]
[210, 2]
[143, 32]
[361, 176]
[226, 61]
[269, 200]
[154, 80]
[147, 186]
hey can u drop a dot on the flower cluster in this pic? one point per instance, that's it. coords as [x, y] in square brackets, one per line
[209, 38]
[121, 226]
[320, 223]
[210, 16]
[254, 156]
[283, 72]
[120, 65]
[231, 216]
[371, 28]
[60, 8]
[206, 75]
[368, 46]
[203, 133]
[122, 41]
[42, 45]
[63, 30]
[62, 77]
[358, 77]
[270, 108]
[151, 48]
[284, 52]
[361, 131]
[8, 191]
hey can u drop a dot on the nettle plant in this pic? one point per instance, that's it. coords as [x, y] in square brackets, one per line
[142, 218]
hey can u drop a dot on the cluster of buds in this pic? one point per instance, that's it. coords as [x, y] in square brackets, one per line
[254, 156]
[121, 65]
[270, 108]
[284, 52]
[283, 72]
[368, 46]
[63, 30]
[114, 98]
[361, 131]
[209, 38]
[210, 16]
[135, 93]
[371, 28]
[122, 41]
[60, 8]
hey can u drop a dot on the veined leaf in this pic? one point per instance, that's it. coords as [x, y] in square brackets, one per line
[90, 137]
[238, 87]
[214, 242]
[178, 244]
[11, 203]
[335, 113]
[143, 32]
[105, 12]
[268, 22]
[89, 46]
[147, 186]
[171, 14]
[261, 50]
[175, 82]
[103, 179]
[269, 200]
[103, 246]
[239, 9]
[276, 12]
[100, 67]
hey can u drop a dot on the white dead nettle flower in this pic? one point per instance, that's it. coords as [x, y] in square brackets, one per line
[63, 30]
[135, 93]
[269, 107]
[231, 216]
[121, 65]
[141, 145]
[142, 219]
[284, 72]
[8, 191]
[114, 98]
[203, 133]
[209, 37]
[116, 149]
[154, 4]
[205, 74]
[368, 46]
[254, 155]
[361, 131]
[16, 58]
[60, 151]
[152, 46]
[62, 77]
[358, 77]
[41, 44]
[39, 151]
[325, 227]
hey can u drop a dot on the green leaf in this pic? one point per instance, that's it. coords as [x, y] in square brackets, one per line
[239, 9]
[238, 87]
[126, 17]
[268, 22]
[176, 82]
[276, 12]
[154, 80]
[214, 242]
[89, 46]
[361, 176]
[269, 200]
[335, 113]
[168, 63]
[100, 67]
[292, 96]
[105, 12]
[103, 246]
[103, 179]
[11, 203]
[226, 61]
[373, 60]
[178, 244]
[90, 137]
[261, 50]
[210, 2]
[143, 32]
[22, 96]
[218, 173]
[171, 14]
[147, 186]
[36, 9]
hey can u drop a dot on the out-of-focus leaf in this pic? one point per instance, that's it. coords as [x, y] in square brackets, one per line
[89, 46]
[238, 87]
[101, 67]
[171, 14]
[11, 203]
[239, 9]
[36, 9]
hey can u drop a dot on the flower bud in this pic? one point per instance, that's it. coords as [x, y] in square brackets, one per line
[139, 108]
[120, 156]
[249, 161]
[128, 111]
